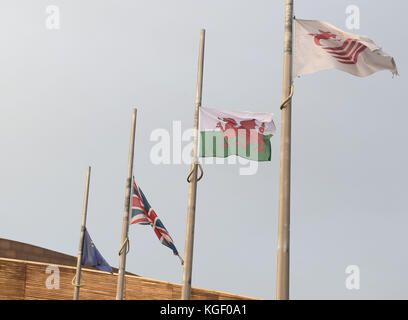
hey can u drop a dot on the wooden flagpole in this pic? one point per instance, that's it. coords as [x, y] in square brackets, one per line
[77, 278]
[282, 283]
[125, 226]
[192, 179]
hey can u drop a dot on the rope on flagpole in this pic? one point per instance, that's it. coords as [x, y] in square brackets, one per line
[283, 105]
[127, 244]
[78, 285]
[192, 170]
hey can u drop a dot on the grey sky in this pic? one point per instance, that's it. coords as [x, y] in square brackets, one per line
[65, 102]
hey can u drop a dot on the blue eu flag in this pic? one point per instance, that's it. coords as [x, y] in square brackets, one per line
[91, 255]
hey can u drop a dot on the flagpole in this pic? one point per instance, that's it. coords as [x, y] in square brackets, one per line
[81, 237]
[192, 179]
[125, 226]
[282, 283]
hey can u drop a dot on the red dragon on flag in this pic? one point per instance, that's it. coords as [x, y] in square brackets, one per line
[242, 133]
[244, 129]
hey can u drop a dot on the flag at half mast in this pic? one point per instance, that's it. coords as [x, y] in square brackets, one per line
[142, 213]
[91, 255]
[321, 46]
[242, 133]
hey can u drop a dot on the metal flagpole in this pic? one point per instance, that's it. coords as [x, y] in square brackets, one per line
[192, 180]
[282, 283]
[77, 278]
[125, 226]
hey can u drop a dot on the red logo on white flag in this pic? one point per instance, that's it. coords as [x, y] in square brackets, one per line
[347, 53]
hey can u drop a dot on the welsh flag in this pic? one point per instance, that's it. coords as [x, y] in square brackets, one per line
[241, 133]
[320, 46]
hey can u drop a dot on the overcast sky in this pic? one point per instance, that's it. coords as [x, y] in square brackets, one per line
[66, 98]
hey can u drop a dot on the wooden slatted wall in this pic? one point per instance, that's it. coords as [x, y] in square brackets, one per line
[27, 280]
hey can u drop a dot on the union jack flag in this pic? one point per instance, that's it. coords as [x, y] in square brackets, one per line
[143, 214]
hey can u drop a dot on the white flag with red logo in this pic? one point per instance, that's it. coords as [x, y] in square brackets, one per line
[321, 46]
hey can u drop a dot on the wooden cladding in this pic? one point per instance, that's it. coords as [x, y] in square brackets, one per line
[12, 280]
[22, 251]
[28, 280]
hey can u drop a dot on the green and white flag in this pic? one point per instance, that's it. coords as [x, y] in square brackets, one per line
[242, 133]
